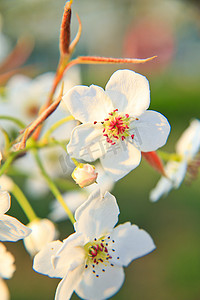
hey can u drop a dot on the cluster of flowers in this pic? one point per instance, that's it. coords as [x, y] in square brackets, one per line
[113, 126]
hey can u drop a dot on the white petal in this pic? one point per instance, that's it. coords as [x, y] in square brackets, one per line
[43, 261]
[189, 142]
[4, 202]
[88, 104]
[87, 142]
[151, 131]
[176, 172]
[129, 92]
[43, 232]
[4, 292]
[7, 267]
[120, 159]
[130, 243]
[68, 284]
[97, 216]
[12, 230]
[71, 254]
[103, 287]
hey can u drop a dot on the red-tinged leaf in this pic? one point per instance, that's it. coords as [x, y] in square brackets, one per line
[155, 162]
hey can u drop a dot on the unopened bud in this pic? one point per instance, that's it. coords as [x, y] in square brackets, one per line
[84, 175]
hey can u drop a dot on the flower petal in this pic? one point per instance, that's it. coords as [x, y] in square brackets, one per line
[129, 92]
[189, 142]
[151, 131]
[97, 216]
[4, 202]
[5, 295]
[12, 230]
[120, 159]
[176, 172]
[88, 104]
[7, 267]
[71, 254]
[130, 243]
[68, 284]
[43, 263]
[87, 142]
[102, 287]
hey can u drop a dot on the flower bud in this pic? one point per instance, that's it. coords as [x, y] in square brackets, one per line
[43, 232]
[84, 175]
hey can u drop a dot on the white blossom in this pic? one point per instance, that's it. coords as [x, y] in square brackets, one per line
[11, 229]
[116, 126]
[90, 261]
[187, 147]
[43, 232]
[7, 268]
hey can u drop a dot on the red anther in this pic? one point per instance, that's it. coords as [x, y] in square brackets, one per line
[113, 143]
[104, 130]
[116, 109]
[105, 135]
[132, 136]
[106, 119]
[123, 137]
[136, 119]
[102, 245]
[116, 137]
[127, 115]
[106, 250]
[127, 127]
[95, 122]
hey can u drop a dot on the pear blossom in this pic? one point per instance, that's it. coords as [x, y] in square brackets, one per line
[24, 96]
[186, 148]
[43, 232]
[7, 269]
[75, 198]
[84, 175]
[11, 229]
[90, 261]
[116, 126]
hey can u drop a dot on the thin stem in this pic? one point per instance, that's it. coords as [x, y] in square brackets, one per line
[57, 125]
[169, 156]
[54, 188]
[7, 163]
[14, 120]
[23, 202]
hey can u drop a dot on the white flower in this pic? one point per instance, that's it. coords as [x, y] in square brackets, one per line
[7, 266]
[11, 229]
[90, 261]
[84, 175]
[116, 126]
[75, 198]
[24, 97]
[7, 269]
[6, 183]
[187, 147]
[43, 232]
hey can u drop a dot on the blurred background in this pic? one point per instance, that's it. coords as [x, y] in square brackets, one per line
[169, 29]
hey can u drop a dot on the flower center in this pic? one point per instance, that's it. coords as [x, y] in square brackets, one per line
[116, 127]
[97, 254]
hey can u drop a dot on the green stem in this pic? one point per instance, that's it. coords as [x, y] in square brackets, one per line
[23, 202]
[7, 163]
[14, 120]
[169, 156]
[6, 138]
[56, 125]
[54, 188]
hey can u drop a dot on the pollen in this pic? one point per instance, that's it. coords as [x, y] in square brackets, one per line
[97, 254]
[116, 127]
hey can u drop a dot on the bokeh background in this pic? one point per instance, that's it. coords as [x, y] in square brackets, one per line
[169, 29]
